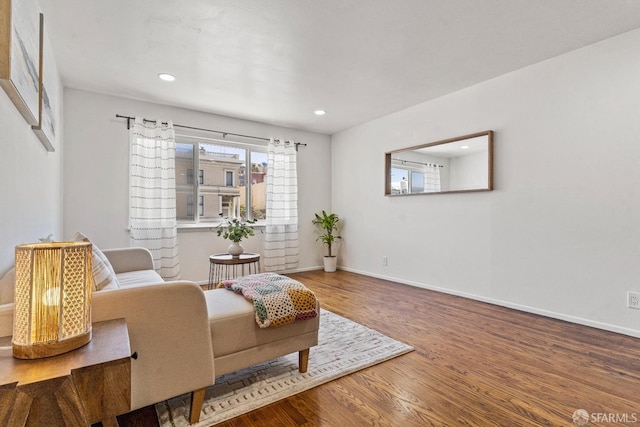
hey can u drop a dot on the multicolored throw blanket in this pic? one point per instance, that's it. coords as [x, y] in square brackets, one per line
[278, 300]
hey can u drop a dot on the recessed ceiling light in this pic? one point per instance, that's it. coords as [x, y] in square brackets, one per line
[166, 77]
[319, 112]
[465, 147]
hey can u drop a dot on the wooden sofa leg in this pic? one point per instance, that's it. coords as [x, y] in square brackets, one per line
[197, 398]
[303, 360]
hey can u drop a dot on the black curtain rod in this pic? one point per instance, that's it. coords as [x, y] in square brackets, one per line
[419, 163]
[224, 134]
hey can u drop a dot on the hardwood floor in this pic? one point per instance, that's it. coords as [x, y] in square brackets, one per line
[474, 364]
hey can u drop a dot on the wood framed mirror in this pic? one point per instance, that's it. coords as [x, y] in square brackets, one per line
[455, 165]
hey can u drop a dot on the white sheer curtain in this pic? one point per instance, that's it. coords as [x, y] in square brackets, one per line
[152, 194]
[281, 246]
[431, 178]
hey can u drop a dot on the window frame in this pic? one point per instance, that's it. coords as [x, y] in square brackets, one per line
[196, 142]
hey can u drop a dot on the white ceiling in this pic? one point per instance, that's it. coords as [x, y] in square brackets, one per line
[276, 61]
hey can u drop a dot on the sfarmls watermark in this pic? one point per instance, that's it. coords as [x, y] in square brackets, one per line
[581, 417]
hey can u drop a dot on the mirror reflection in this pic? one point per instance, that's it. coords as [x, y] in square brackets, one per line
[453, 165]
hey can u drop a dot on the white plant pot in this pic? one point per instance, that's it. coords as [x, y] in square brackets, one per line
[235, 249]
[330, 263]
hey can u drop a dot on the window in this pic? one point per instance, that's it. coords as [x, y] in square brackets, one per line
[190, 205]
[227, 183]
[417, 182]
[399, 181]
[408, 180]
[228, 178]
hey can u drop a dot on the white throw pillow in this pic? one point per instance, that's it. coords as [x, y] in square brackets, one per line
[7, 287]
[103, 275]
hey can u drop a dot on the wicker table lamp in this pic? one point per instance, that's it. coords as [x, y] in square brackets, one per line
[52, 298]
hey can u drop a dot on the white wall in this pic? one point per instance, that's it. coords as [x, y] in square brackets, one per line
[469, 172]
[560, 235]
[97, 166]
[30, 178]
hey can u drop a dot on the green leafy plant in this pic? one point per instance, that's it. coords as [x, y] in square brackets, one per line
[329, 225]
[235, 230]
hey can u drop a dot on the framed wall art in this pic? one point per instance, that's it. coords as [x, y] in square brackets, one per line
[20, 55]
[49, 92]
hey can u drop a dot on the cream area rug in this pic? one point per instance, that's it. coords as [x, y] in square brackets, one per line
[343, 347]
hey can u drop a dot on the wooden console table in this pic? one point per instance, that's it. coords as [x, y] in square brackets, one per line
[224, 266]
[79, 388]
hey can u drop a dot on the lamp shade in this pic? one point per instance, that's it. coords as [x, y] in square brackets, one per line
[52, 299]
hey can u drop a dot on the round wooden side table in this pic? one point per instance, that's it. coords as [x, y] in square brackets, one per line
[224, 267]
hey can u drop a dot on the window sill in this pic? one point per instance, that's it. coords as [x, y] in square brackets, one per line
[211, 226]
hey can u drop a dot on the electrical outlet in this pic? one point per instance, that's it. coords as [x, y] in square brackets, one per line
[385, 261]
[633, 300]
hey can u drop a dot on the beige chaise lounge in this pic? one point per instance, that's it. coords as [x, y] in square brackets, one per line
[184, 336]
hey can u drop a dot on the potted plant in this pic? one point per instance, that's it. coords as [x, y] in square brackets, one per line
[235, 230]
[329, 225]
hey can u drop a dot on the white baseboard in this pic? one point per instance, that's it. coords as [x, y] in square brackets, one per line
[527, 309]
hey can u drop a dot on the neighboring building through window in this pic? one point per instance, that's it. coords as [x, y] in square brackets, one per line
[218, 191]
[399, 181]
